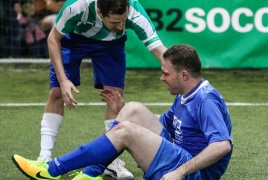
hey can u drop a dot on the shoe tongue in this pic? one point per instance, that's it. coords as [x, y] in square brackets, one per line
[121, 164]
[42, 158]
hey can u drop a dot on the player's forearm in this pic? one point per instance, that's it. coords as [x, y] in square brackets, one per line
[158, 52]
[54, 46]
[207, 157]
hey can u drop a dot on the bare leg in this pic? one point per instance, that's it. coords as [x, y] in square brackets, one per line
[117, 165]
[109, 114]
[55, 102]
[140, 142]
[137, 133]
[138, 113]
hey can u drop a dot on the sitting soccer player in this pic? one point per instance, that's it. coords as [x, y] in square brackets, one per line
[192, 140]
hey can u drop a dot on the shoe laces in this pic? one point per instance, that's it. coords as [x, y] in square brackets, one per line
[41, 163]
[120, 164]
[76, 174]
[41, 158]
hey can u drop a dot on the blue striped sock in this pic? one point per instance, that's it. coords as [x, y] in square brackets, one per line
[96, 170]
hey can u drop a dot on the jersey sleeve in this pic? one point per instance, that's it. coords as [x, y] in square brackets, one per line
[139, 21]
[70, 15]
[211, 120]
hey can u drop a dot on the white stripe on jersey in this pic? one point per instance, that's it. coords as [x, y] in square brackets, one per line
[143, 22]
[183, 100]
[69, 13]
[137, 21]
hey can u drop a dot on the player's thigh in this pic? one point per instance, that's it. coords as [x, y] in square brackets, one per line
[109, 67]
[71, 59]
[138, 113]
[140, 142]
[72, 72]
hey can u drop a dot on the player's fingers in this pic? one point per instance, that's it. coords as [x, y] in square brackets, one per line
[102, 94]
[71, 101]
[104, 99]
[67, 102]
[118, 94]
[75, 89]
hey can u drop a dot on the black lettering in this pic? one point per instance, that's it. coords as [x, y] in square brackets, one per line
[171, 26]
[156, 15]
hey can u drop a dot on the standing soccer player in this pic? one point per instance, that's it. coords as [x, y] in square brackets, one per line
[94, 28]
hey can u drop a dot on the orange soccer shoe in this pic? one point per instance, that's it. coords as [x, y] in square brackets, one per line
[36, 170]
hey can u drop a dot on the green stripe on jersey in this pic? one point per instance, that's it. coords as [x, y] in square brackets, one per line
[66, 4]
[80, 16]
[151, 41]
[138, 30]
[137, 6]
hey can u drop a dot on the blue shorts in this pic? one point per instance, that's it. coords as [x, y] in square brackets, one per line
[168, 158]
[108, 60]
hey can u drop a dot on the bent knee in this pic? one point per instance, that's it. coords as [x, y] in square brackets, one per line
[124, 126]
[55, 94]
[134, 107]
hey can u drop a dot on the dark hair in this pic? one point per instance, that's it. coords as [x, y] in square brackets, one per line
[184, 57]
[112, 6]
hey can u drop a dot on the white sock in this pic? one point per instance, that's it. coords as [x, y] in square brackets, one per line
[50, 125]
[108, 124]
[46, 153]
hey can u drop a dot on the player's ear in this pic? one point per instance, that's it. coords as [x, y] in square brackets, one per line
[99, 12]
[185, 75]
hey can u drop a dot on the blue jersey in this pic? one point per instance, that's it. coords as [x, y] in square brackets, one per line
[198, 119]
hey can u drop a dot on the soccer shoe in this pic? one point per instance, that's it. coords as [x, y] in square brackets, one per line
[81, 176]
[35, 170]
[117, 170]
[41, 158]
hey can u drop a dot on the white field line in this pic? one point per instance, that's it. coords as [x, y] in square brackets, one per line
[27, 60]
[103, 104]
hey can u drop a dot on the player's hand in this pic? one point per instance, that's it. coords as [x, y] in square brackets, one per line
[173, 175]
[113, 99]
[66, 90]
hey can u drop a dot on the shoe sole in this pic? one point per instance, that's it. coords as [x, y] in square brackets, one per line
[17, 165]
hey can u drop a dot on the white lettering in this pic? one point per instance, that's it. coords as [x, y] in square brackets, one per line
[200, 23]
[198, 20]
[225, 20]
[236, 23]
[258, 20]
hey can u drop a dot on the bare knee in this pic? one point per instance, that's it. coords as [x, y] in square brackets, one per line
[122, 133]
[55, 103]
[55, 95]
[132, 108]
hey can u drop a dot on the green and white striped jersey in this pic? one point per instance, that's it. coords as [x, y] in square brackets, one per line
[80, 17]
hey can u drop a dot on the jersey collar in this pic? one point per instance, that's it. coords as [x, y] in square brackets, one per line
[201, 84]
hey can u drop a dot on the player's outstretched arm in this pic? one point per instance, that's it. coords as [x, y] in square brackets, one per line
[54, 46]
[158, 52]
